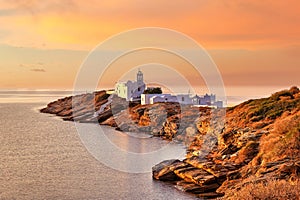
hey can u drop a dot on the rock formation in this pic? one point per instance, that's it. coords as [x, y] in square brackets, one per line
[260, 139]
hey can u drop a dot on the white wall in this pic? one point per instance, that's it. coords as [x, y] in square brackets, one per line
[129, 90]
[145, 98]
[184, 99]
[163, 98]
[121, 90]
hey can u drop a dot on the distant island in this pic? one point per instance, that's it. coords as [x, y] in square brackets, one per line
[256, 153]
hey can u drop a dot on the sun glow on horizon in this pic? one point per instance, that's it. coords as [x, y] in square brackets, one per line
[253, 43]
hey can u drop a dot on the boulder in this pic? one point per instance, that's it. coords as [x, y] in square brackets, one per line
[164, 172]
[195, 188]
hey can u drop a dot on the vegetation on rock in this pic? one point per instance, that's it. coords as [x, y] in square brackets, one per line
[268, 189]
[153, 90]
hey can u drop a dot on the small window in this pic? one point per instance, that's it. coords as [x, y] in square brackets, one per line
[182, 98]
[139, 89]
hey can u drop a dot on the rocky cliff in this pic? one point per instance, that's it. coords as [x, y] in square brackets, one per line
[259, 140]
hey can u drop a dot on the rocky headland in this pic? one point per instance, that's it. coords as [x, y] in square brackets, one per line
[255, 142]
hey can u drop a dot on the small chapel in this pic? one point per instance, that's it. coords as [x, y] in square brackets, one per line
[131, 90]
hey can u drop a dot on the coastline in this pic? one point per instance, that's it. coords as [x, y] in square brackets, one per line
[42, 157]
[239, 153]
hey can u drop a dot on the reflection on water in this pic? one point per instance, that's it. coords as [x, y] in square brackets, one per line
[124, 152]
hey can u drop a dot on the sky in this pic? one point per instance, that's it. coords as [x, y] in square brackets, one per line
[254, 43]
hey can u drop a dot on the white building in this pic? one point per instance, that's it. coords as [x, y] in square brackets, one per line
[163, 98]
[207, 100]
[145, 98]
[155, 98]
[218, 104]
[183, 99]
[131, 90]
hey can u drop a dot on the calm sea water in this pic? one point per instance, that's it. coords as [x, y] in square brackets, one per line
[43, 157]
[47, 96]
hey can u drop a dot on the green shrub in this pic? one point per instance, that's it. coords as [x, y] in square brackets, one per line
[153, 90]
[272, 108]
[276, 96]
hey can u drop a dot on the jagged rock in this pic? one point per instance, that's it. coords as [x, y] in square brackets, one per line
[210, 195]
[195, 175]
[215, 169]
[230, 149]
[79, 107]
[164, 171]
[260, 137]
[194, 188]
[234, 175]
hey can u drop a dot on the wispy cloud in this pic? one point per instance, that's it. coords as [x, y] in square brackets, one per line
[75, 23]
[35, 67]
[37, 70]
[249, 36]
[7, 12]
[32, 65]
[37, 7]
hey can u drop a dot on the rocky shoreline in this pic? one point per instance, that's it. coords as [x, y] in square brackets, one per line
[259, 141]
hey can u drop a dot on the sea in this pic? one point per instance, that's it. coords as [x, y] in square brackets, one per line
[44, 157]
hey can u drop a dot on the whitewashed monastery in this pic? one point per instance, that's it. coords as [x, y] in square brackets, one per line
[133, 90]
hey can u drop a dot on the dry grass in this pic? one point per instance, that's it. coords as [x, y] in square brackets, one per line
[248, 152]
[284, 140]
[270, 190]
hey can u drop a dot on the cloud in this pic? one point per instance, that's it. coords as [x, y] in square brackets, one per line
[37, 70]
[35, 7]
[76, 24]
[32, 65]
[7, 12]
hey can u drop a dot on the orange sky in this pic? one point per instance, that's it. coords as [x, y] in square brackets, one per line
[253, 42]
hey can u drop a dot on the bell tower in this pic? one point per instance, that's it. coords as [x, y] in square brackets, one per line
[140, 77]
